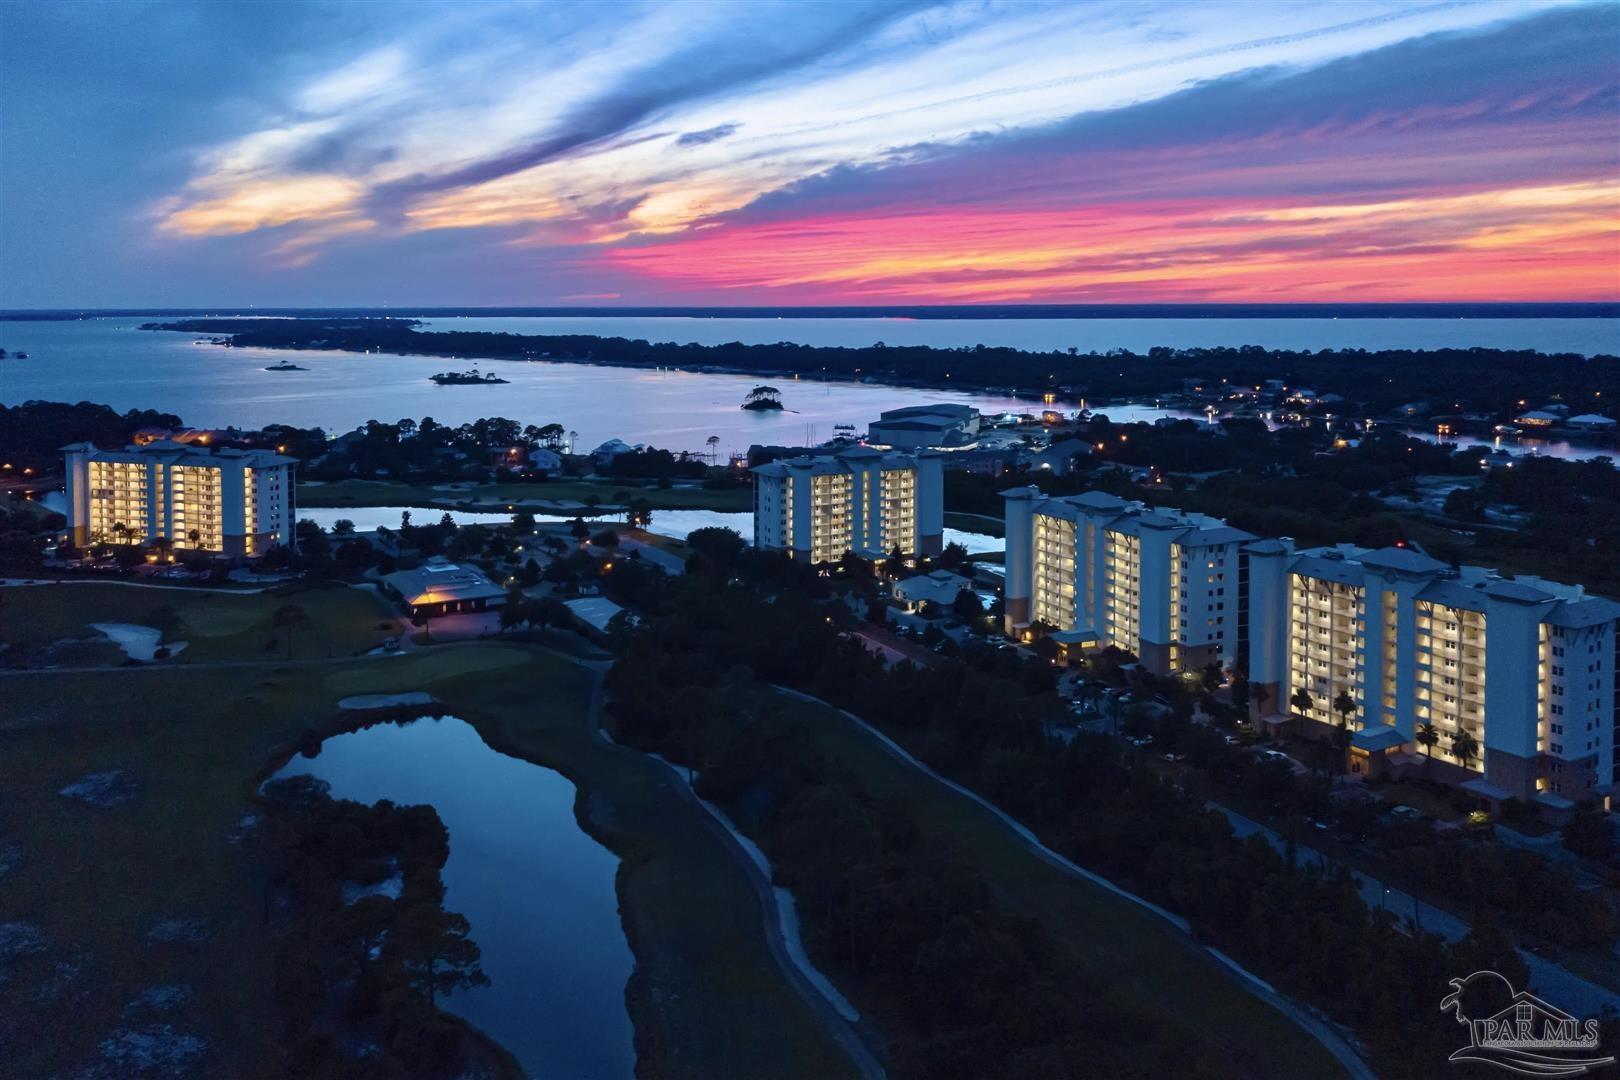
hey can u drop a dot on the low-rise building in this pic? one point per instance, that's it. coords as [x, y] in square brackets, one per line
[226, 501]
[439, 587]
[1165, 585]
[818, 507]
[1541, 418]
[920, 427]
[939, 587]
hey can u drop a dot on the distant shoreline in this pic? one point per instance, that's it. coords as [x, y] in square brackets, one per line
[1533, 310]
[1373, 383]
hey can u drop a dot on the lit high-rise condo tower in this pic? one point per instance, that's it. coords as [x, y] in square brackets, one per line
[817, 507]
[1096, 570]
[235, 502]
[1525, 667]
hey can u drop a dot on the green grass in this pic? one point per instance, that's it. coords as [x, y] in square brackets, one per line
[1133, 957]
[496, 496]
[708, 1002]
[214, 625]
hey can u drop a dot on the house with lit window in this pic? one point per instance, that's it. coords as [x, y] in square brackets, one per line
[1514, 676]
[198, 498]
[440, 587]
[817, 507]
[1094, 570]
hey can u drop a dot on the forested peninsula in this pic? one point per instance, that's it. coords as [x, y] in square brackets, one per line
[1487, 380]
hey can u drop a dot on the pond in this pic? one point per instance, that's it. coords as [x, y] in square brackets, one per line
[536, 889]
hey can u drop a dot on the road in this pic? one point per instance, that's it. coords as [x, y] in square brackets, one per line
[848, 1038]
[1319, 1028]
[1552, 981]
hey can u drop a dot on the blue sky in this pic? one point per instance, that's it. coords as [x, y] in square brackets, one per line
[224, 154]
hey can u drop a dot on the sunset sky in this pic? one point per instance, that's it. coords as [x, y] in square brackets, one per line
[847, 153]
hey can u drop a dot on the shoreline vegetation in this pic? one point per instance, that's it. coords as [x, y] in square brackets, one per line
[1373, 382]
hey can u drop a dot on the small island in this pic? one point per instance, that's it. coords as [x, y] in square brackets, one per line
[465, 378]
[764, 399]
[285, 365]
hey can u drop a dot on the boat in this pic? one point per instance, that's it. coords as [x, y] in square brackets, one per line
[19, 356]
[465, 378]
[1508, 429]
[285, 365]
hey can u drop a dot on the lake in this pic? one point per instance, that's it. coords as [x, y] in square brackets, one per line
[110, 361]
[537, 891]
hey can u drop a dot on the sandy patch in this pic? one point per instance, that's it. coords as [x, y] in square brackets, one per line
[138, 642]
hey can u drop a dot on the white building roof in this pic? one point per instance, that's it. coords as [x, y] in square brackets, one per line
[595, 611]
[940, 587]
[437, 581]
[168, 452]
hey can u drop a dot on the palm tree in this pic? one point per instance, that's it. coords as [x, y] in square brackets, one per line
[1427, 737]
[1302, 703]
[1464, 747]
[714, 443]
[1344, 705]
[1260, 695]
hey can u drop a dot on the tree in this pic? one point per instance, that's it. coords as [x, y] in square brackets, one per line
[1344, 705]
[515, 611]
[967, 606]
[607, 538]
[895, 565]
[1302, 702]
[523, 522]
[342, 527]
[763, 397]
[578, 529]
[1464, 747]
[289, 617]
[1427, 737]
[1211, 676]
[1260, 695]
[713, 442]
[717, 544]
[420, 621]
[640, 515]
[437, 951]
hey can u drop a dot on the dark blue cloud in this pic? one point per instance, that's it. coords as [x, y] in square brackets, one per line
[707, 135]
